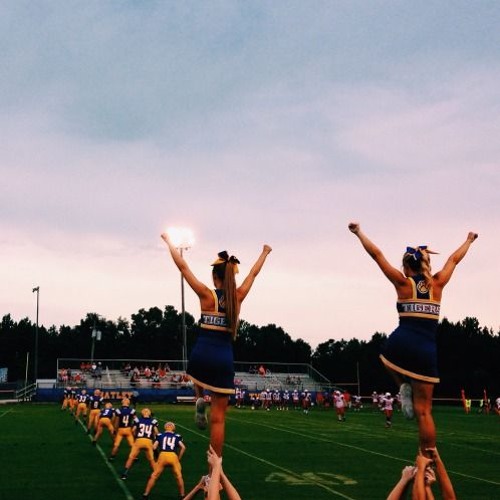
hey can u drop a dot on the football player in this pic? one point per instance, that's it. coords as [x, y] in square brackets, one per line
[105, 420]
[95, 404]
[170, 448]
[124, 422]
[145, 432]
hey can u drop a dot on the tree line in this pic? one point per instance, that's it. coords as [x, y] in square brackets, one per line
[468, 353]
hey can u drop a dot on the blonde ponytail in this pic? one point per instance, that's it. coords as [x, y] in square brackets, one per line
[231, 302]
[426, 268]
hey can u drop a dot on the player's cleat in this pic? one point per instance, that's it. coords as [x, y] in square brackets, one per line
[407, 400]
[200, 416]
[123, 477]
[111, 459]
[145, 497]
[94, 442]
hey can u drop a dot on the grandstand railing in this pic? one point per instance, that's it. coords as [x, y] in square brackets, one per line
[26, 392]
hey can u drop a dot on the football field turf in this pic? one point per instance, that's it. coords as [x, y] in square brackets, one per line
[268, 455]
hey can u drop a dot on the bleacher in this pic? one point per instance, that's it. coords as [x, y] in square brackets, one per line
[117, 378]
[276, 381]
[118, 374]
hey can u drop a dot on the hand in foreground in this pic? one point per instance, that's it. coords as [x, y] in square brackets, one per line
[472, 236]
[267, 249]
[430, 476]
[212, 458]
[422, 462]
[408, 473]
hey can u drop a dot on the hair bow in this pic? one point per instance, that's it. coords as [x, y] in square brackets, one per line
[415, 252]
[223, 258]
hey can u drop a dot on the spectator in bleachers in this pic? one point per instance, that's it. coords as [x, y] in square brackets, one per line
[155, 381]
[211, 364]
[134, 379]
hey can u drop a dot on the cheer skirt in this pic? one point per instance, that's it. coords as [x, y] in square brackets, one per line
[211, 363]
[411, 350]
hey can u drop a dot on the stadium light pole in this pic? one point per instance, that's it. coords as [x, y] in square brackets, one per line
[35, 370]
[183, 240]
[96, 335]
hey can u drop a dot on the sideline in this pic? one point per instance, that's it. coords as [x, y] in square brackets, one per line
[271, 464]
[121, 483]
[358, 448]
[10, 410]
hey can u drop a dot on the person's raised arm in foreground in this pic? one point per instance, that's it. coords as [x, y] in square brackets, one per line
[419, 490]
[218, 478]
[199, 487]
[443, 479]
[395, 276]
[442, 277]
[198, 287]
[244, 288]
[401, 486]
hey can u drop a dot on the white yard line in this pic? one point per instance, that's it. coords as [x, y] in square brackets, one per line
[6, 412]
[364, 450]
[271, 464]
[120, 482]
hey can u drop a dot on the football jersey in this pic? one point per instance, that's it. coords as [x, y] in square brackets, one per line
[145, 427]
[95, 402]
[168, 441]
[125, 416]
[107, 413]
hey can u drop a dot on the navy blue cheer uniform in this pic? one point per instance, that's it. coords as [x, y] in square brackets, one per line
[411, 349]
[211, 364]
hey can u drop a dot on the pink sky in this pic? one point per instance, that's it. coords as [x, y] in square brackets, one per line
[104, 147]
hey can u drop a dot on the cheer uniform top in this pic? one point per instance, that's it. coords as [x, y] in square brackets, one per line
[411, 349]
[211, 364]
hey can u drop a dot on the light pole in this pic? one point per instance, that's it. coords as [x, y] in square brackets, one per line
[35, 374]
[183, 240]
[96, 335]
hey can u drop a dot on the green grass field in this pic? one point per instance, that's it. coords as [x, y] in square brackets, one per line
[268, 455]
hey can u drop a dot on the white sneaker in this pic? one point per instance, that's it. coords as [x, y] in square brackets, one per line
[407, 400]
[200, 416]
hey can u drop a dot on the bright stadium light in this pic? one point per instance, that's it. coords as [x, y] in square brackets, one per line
[181, 237]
